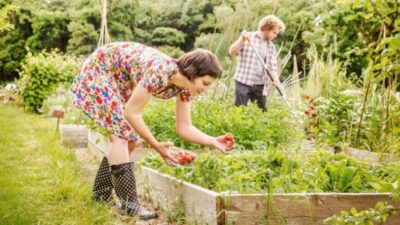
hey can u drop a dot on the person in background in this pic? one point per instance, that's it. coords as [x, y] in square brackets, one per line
[251, 79]
[114, 85]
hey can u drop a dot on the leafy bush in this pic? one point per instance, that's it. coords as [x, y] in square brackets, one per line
[5, 24]
[42, 73]
[339, 118]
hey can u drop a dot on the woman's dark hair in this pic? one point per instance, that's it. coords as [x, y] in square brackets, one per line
[199, 63]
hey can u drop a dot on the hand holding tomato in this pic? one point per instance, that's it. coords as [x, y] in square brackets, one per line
[183, 157]
[224, 143]
[163, 149]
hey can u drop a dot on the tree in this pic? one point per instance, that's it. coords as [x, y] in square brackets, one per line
[12, 44]
[83, 38]
[366, 30]
[84, 27]
[153, 14]
[121, 18]
[50, 30]
[167, 36]
[194, 13]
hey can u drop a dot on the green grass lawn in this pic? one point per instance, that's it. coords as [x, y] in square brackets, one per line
[40, 180]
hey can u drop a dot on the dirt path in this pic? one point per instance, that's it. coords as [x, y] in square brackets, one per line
[89, 165]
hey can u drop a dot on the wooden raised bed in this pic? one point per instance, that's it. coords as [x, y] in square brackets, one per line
[373, 157]
[202, 206]
[359, 154]
[97, 144]
[74, 135]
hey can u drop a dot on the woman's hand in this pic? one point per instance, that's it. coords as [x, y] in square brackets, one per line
[224, 143]
[164, 149]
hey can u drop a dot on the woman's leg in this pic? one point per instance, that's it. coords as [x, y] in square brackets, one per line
[124, 178]
[102, 188]
[132, 146]
[119, 151]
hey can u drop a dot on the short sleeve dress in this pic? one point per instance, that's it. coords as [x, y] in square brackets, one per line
[110, 74]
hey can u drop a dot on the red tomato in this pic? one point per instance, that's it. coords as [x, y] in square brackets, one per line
[228, 139]
[183, 157]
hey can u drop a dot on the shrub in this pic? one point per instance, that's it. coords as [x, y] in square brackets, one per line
[42, 73]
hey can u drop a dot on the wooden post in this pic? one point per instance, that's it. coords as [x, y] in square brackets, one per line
[296, 81]
[59, 114]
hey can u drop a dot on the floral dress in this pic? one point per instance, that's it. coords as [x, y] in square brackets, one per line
[110, 74]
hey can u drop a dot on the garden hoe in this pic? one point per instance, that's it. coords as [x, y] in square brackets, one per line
[281, 91]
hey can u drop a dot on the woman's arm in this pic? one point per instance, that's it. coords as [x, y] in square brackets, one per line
[133, 114]
[187, 131]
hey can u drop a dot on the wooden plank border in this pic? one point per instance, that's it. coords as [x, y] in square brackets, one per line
[74, 135]
[299, 208]
[359, 154]
[203, 206]
[373, 157]
[200, 206]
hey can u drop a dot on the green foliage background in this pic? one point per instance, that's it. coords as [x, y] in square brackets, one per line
[73, 26]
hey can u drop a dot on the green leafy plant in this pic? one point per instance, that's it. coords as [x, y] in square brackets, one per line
[42, 73]
[5, 24]
[251, 127]
[273, 171]
[338, 116]
[377, 215]
[311, 115]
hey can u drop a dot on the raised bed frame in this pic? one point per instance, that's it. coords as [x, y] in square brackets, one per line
[202, 206]
[74, 135]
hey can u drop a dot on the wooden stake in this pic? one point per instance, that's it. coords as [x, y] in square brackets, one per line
[59, 114]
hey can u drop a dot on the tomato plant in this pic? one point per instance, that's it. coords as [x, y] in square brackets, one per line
[274, 171]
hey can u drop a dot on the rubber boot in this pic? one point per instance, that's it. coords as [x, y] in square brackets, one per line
[102, 188]
[125, 189]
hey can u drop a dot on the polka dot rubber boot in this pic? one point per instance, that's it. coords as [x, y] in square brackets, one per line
[102, 188]
[125, 189]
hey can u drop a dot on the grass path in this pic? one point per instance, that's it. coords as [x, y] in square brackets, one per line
[41, 181]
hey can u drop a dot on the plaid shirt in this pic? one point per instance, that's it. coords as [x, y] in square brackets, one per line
[249, 69]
